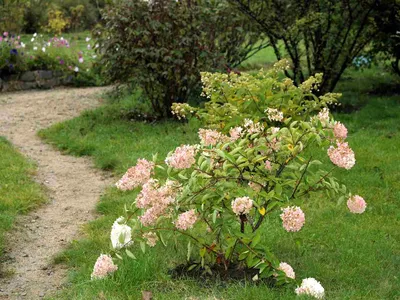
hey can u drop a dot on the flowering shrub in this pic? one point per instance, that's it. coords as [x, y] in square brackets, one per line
[162, 45]
[219, 193]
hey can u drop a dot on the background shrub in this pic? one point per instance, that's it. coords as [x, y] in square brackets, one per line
[318, 36]
[163, 45]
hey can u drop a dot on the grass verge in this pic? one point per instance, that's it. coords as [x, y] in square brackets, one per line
[354, 256]
[18, 192]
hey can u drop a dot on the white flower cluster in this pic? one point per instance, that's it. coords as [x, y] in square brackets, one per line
[311, 287]
[121, 235]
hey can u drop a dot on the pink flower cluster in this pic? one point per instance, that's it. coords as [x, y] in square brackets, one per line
[211, 137]
[242, 205]
[293, 218]
[235, 133]
[268, 165]
[356, 204]
[340, 131]
[103, 266]
[59, 42]
[342, 156]
[151, 238]
[136, 176]
[186, 220]
[287, 269]
[182, 158]
[274, 115]
[155, 200]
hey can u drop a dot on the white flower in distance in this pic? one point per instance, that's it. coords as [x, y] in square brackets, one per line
[121, 234]
[311, 287]
[87, 39]
[44, 49]
[76, 69]
[34, 48]
[103, 266]
[35, 34]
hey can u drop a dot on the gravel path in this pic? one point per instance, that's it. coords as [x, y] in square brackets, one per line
[74, 188]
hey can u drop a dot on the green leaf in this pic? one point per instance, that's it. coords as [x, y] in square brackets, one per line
[203, 252]
[181, 176]
[278, 189]
[130, 254]
[256, 239]
[214, 216]
[143, 246]
[189, 250]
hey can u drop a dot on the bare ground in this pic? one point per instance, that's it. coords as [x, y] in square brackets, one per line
[74, 188]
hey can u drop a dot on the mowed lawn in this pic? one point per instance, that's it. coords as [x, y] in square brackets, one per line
[18, 192]
[354, 256]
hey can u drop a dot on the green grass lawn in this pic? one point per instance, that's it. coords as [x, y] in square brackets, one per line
[354, 256]
[18, 192]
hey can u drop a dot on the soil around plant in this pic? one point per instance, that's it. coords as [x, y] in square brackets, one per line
[217, 273]
[73, 184]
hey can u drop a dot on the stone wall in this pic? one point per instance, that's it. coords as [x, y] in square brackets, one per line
[34, 80]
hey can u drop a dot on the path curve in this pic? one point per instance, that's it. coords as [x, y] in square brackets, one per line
[73, 183]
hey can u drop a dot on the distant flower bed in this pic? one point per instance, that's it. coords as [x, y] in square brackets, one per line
[40, 53]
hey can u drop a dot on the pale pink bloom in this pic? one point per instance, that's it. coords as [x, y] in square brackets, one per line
[242, 205]
[121, 234]
[104, 265]
[252, 127]
[210, 137]
[235, 133]
[255, 186]
[287, 269]
[136, 176]
[323, 117]
[293, 218]
[151, 238]
[5, 33]
[186, 220]
[274, 115]
[340, 131]
[150, 216]
[156, 200]
[311, 287]
[342, 156]
[80, 59]
[182, 158]
[268, 165]
[356, 204]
